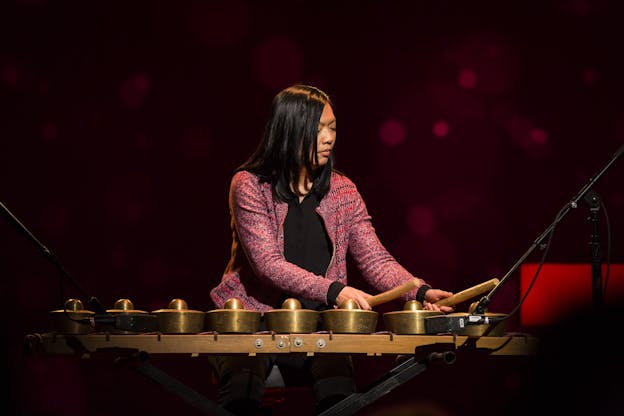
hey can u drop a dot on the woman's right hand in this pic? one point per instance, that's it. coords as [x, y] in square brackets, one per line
[357, 295]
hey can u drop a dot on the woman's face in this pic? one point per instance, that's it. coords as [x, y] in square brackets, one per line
[326, 137]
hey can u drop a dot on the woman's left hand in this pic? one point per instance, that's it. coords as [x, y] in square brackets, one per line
[434, 295]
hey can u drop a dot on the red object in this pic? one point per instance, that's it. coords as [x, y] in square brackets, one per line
[563, 288]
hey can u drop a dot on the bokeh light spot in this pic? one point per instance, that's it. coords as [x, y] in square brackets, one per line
[440, 128]
[467, 78]
[538, 136]
[420, 220]
[279, 62]
[532, 140]
[134, 90]
[486, 60]
[49, 131]
[392, 133]
[590, 76]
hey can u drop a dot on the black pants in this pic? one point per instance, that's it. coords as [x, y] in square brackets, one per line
[242, 379]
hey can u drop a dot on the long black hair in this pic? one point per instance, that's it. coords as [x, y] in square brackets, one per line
[290, 136]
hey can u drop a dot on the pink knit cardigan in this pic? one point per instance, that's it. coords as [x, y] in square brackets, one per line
[258, 273]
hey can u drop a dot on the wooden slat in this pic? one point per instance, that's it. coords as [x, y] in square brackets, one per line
[253, 344]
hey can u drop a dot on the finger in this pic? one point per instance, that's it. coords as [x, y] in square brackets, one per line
[433, 307]
[361, 300]
[364, 304]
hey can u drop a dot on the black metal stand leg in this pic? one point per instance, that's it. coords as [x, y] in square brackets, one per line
[190, 396]
[593, 199]
[394, 378]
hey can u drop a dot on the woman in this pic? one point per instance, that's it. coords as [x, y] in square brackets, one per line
[294, 219]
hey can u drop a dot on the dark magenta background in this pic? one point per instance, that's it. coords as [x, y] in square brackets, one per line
[122, 122]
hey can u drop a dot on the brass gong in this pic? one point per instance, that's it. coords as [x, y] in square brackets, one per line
[122, 307]
[291, 318]
[71, 319]
[349, 319]
[410, 320]
[233, 318]
[178, 319]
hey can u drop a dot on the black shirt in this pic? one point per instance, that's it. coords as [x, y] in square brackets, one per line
[307, 245]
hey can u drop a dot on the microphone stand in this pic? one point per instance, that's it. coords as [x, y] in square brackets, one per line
[479, 310]
[132, 322]
[593, 199]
